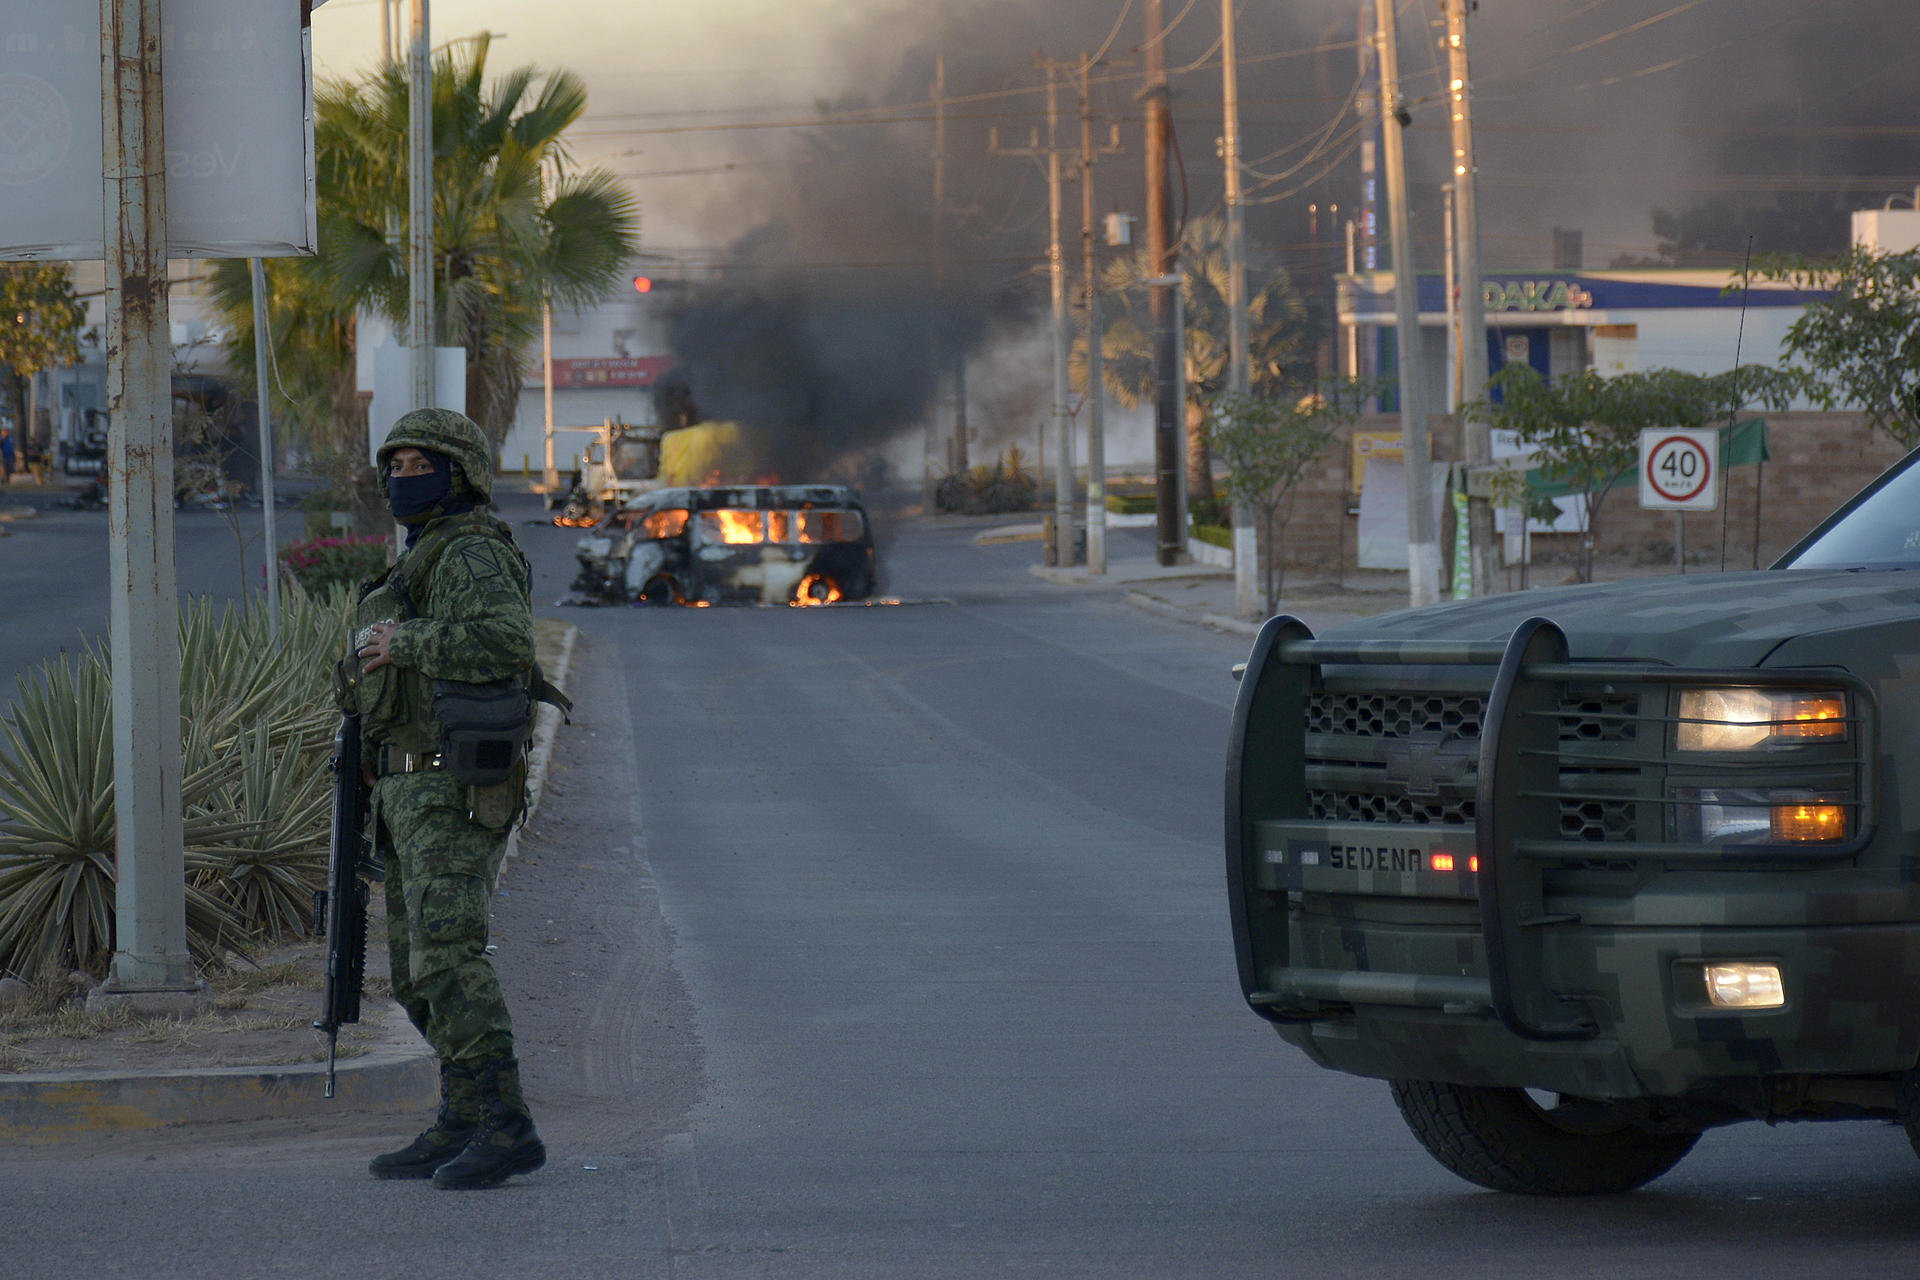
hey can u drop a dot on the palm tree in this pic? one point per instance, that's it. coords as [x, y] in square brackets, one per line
[1276, 322]
[501, 243]
[311, 335]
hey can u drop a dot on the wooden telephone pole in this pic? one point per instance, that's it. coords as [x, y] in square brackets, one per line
[1169, 417]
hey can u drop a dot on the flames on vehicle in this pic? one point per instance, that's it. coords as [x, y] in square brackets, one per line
[778, 544]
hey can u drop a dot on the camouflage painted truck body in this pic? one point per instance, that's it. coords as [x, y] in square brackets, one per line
[1500, 845]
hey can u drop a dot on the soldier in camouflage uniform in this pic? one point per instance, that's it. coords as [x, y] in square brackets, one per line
[454, 607]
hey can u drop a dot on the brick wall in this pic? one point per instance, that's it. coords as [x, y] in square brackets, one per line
[1819, 460]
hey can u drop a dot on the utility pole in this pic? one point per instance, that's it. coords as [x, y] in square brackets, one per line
[262, 364]
[1246, 539]
[1423, 547]
[1096, 358]
[1448, 283]
[1168, 417]
[549, 473]
[1057, 278]
[420, 328]
[1473, 305]
[151, 965]
[929, 435]
[386, 33]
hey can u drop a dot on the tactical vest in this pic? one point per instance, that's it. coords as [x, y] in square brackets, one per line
[396, 703]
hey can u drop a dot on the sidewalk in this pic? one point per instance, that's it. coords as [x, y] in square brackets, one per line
[397, 1072]
[1203, 595]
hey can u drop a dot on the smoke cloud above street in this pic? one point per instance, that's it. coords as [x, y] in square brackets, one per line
[788, 152]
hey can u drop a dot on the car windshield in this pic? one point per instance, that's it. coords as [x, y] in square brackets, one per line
[1882, 528]
[636, 459]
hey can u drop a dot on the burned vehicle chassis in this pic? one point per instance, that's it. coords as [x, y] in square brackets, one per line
[731, 544]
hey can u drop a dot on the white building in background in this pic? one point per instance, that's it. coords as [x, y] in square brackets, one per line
[606, 360]
[1563, 322]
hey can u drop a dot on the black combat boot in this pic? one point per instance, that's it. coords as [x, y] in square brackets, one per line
[503, 1143]
[461, 1110]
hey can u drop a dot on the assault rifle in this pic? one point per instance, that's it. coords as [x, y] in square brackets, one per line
[341, 908]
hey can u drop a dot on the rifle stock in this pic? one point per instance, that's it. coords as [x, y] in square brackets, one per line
[342, 906]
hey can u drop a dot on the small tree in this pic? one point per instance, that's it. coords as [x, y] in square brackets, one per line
[40, 321]
[1268, 447]
[1584, 429]
[1859, 345]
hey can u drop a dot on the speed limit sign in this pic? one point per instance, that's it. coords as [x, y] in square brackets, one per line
[1677, 470]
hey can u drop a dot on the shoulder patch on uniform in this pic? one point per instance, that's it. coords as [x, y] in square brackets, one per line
[480, 563]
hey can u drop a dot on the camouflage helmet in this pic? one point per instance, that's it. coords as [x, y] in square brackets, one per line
[444, 431]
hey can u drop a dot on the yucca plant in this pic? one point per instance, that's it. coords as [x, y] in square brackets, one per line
[267, 869]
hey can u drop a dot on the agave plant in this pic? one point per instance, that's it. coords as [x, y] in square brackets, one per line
[57, 864]
[234, 674]
[275, 854]
[257, 713]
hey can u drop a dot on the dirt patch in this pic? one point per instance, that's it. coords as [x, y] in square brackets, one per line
[262, 1015]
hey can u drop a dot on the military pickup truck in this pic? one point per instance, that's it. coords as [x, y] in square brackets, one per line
[1584, 872]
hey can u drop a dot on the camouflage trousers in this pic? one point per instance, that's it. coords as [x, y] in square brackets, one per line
[440, 873]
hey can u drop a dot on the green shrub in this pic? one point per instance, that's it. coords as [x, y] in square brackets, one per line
[1215, 511]
[1214, 534]
[1132, 504]
[321, 564]
[985, 490]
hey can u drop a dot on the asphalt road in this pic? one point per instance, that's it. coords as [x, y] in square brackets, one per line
[891, 942]
[54, 573]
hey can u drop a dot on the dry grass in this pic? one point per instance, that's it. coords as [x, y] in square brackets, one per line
[261, 1014]
[549, 637]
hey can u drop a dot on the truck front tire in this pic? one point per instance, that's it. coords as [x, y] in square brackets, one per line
[1505, 1140]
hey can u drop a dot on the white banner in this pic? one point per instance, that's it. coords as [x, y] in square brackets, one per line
[237, 114]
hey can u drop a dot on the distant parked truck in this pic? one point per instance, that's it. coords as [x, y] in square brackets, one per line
[732, 544]
[621, 463]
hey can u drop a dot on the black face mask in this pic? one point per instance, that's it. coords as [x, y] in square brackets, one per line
[415, 498]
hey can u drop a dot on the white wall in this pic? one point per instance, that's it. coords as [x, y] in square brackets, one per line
[626, 323]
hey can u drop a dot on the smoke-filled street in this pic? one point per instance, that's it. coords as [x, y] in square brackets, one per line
[892, 942]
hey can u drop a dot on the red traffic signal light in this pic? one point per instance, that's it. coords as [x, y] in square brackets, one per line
[643, 284]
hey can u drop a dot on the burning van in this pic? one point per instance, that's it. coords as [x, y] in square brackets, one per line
[731, 544]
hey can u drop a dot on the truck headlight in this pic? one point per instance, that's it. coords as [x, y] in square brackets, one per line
[1742, 719]
[1745, 985]
[1760, 815]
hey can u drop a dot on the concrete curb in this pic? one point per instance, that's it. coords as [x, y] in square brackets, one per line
[1219, 621]
[397, 1074]
[546, 723]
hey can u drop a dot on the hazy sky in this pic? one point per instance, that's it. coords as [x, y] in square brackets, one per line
[1589, 114]
[1592, 112]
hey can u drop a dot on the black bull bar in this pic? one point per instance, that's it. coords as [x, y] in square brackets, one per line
[1516, 798]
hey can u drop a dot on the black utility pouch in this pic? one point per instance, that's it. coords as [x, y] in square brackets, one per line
[483, 728]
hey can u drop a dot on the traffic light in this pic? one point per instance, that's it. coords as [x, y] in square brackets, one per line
[643, 284]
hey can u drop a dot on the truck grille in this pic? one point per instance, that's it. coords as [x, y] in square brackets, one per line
[1413, 758]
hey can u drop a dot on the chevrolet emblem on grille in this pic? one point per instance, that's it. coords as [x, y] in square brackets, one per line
[1419, 761]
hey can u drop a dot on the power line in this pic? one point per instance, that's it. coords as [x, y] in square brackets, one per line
[1632, 27]
[921, 111]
